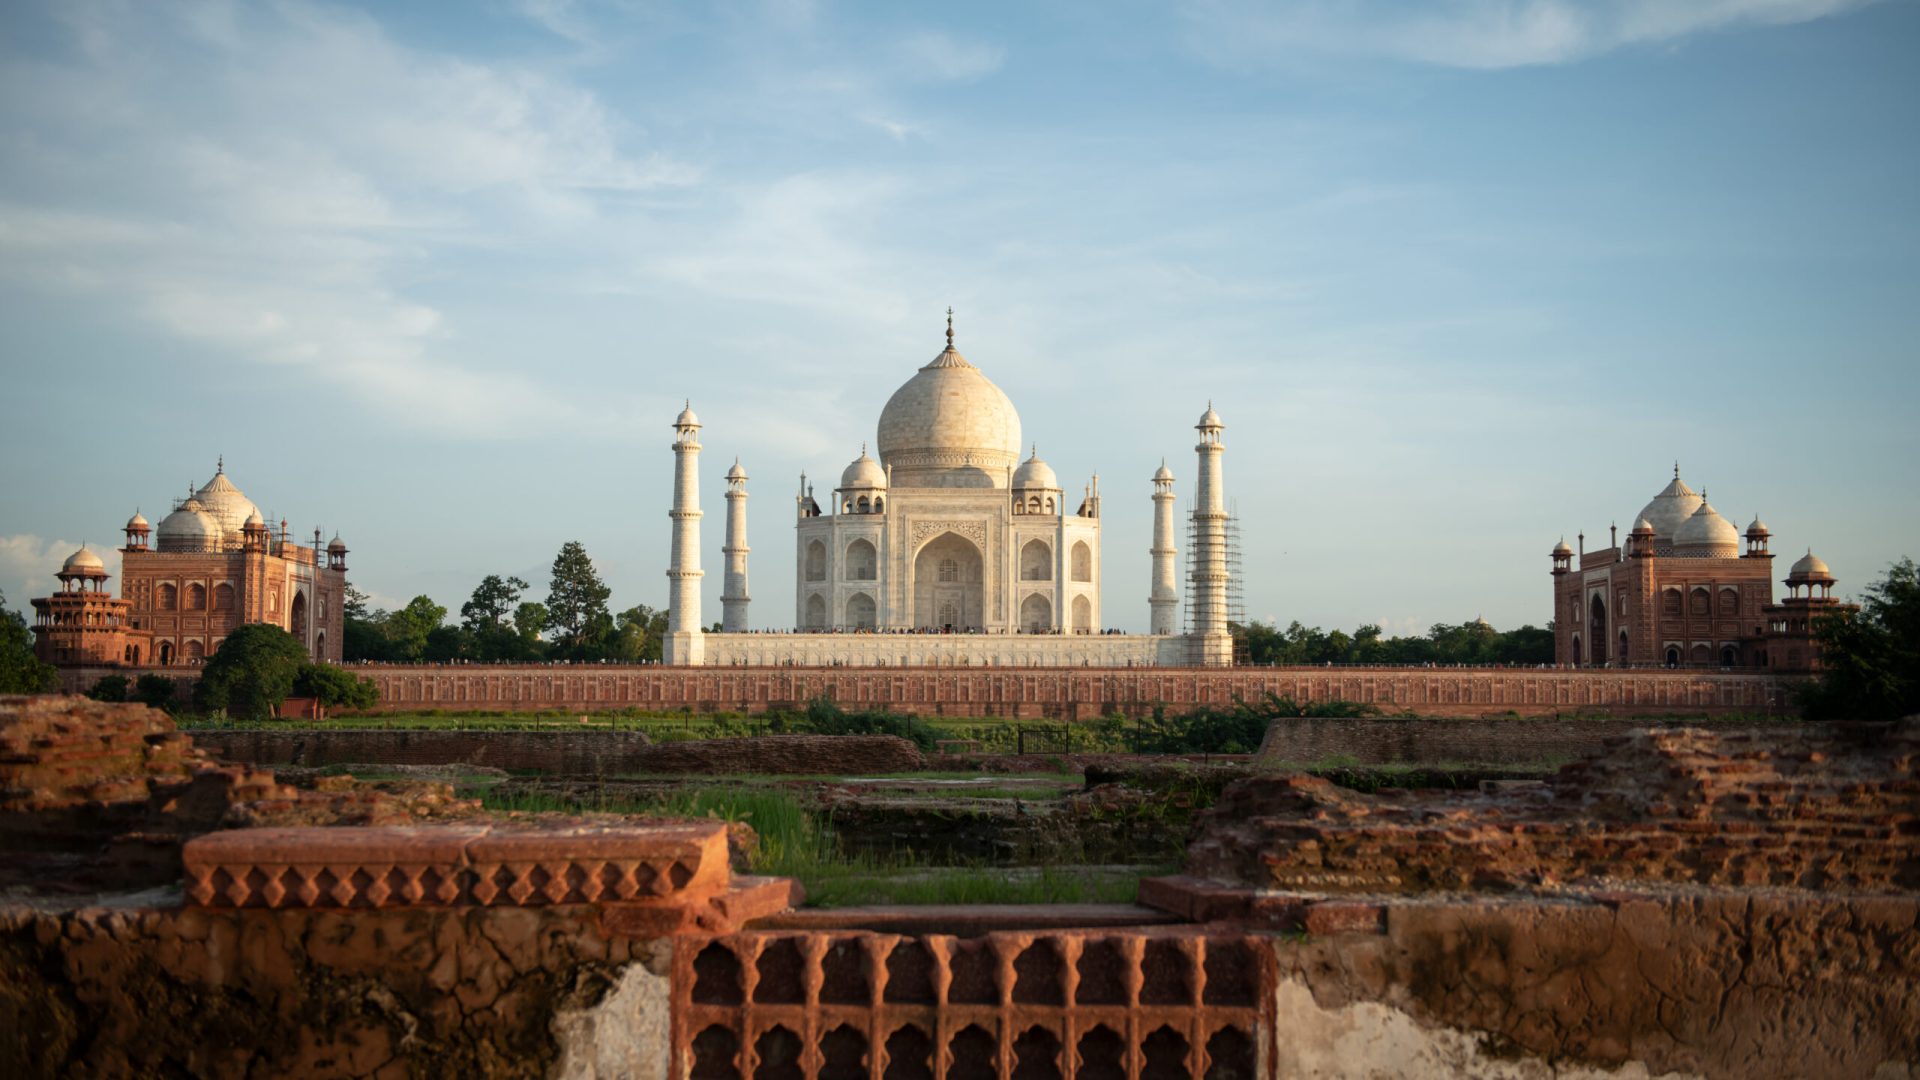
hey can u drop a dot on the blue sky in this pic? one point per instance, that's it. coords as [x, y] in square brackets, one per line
[1461, 276]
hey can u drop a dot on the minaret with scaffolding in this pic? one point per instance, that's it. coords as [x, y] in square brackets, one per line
[1210, 565]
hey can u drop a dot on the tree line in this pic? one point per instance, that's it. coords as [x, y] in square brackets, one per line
[1466, 643]
[500, 624]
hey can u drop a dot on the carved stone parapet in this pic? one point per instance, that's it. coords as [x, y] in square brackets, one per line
[406, 866]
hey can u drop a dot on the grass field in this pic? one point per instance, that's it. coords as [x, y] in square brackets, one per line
[795, 842]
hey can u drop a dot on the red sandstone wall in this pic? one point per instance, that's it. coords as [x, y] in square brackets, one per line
[1054, 693]
[576, 753]
[1073, 693]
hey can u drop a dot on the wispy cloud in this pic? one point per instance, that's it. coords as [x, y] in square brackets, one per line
[271, 201]
[948, 57]
[28, 563]
[1476, 33]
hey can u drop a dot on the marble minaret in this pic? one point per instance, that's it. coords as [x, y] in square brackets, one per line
[733, 594]
[685, 643]
[1164, 600]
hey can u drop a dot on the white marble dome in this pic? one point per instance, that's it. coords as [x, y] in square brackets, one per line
[229, 508]
[1706, 533]
[1671, 508]
[864, 472]
[1034, 473]
[189, 528]
[949, 416]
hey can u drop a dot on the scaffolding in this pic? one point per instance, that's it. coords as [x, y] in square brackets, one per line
[1199, 548]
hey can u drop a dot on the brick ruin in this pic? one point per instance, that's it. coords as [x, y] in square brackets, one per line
[1686, 903]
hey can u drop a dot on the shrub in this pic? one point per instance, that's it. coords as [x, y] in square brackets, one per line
[155, 690]
[109, 688]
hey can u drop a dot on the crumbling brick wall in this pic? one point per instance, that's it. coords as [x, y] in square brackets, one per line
[1829, 808]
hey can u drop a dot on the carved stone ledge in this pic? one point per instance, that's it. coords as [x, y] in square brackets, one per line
[407, 866]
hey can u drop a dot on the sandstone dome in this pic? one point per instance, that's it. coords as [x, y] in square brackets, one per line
[1810, 567]
[1706, 533]
[189, 528]
[83, 563]
[229, 508]
[1671, 508]
[1034, 473]
[950, 426]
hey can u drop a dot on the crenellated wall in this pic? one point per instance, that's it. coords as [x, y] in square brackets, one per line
[1072, 693]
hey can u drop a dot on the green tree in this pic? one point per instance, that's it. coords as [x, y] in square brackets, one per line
[446, 643]
[109, 688]
[364, 635]
[577, 603]
[251, 673]
[407, 630]
[336, 687]
[155, 690]
[21, 672]
[1870, 662]
[488, 618]
[529, 622]
[641, 633]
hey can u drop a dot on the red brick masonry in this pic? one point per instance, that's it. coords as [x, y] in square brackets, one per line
[1834, 809]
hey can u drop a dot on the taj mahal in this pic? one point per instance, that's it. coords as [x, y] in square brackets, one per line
[949, 548]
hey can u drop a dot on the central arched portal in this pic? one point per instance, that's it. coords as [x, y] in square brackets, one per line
[947, 592]
[1597, 629]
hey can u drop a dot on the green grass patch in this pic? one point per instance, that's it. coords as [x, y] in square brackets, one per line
[798, 843]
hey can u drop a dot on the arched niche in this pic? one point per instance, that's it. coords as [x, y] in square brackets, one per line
[947, 584]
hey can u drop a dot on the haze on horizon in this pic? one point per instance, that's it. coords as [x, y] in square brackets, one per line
[1461, 277]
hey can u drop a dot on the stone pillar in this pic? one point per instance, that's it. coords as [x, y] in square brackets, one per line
[1213, 644]
[1164, 599]
[685, 643]
[733, 594]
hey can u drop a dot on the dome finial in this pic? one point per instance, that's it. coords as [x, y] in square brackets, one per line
[949, 326]
[219, 464]
[1676, 468]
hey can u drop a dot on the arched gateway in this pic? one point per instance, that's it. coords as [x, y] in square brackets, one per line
[948, 589]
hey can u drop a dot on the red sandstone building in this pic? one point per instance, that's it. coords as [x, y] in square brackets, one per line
[215, 565]
[1683, 593]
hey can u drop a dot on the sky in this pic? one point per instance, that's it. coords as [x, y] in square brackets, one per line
[1462, 277]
